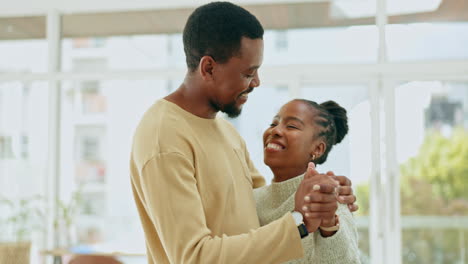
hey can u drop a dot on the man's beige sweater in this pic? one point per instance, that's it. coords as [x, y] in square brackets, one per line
[192, 181]
[276, 199]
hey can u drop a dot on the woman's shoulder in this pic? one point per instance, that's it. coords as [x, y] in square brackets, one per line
[262, 193]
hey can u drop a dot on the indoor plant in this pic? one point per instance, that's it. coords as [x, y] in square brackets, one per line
[20, 218]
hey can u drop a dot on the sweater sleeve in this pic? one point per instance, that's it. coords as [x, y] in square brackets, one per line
[174, 205]
[342, 247]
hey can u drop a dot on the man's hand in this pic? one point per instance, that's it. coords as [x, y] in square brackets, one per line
[316, 198]
[345, 191]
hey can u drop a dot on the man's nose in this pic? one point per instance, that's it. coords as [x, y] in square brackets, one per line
[255, 81]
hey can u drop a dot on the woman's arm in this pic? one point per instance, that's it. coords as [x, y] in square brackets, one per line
[342, 247]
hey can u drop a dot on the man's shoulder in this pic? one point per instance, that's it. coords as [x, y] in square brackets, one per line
[158, 119]
[161, 111]
[162, 116]
[161, 129]
[228, 128]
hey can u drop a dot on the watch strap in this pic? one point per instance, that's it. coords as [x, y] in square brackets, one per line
[303, 230]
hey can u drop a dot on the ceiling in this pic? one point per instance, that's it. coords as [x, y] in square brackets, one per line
[273, 15]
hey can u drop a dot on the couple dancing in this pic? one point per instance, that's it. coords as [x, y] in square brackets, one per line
[198, 194]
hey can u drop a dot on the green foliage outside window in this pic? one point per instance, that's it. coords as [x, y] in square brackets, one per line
[433, 183]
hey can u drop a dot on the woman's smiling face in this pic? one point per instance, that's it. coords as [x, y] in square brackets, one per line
[290, 141]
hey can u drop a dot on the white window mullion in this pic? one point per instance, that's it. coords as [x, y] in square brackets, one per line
[53, 155]
[393, 228]
[377, 217]
[381, 20]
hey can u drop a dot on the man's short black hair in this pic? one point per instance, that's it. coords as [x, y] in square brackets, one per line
[216, 30]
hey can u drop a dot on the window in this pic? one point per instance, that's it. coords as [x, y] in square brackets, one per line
[6, 148]
[321, 45]
[281, 43]
[133, 60]
[427, 41]
[23, 162]
[23, 56]
[432, 150]
[351, 157]
[427, 30]
[139, 52]
[256, 116]
[96, 142]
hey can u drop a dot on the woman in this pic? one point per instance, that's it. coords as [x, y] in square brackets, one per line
[304, 131]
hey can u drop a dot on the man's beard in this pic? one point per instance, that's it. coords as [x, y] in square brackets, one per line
[230, 109]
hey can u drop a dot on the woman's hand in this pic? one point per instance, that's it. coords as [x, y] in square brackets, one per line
[316, 198]
[332, 222]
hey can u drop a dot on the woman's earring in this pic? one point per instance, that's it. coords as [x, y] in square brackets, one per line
[313, 157]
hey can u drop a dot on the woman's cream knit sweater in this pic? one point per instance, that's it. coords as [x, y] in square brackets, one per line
[275, 200]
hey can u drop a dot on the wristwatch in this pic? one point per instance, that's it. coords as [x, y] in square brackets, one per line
[332, 228]
[299, 219]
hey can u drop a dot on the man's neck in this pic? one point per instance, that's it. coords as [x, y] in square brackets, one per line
[191, 97]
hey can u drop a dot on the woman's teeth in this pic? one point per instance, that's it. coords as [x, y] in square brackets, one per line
[274, 146]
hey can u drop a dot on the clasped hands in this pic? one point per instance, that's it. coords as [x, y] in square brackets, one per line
[317, 195]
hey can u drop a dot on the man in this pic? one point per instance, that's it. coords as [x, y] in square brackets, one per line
[191, 174]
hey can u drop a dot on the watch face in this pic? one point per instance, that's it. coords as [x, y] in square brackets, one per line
[297, 217]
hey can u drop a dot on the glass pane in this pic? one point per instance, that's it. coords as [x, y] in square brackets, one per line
[98, 121]
[427, 41]
[23, 163]
[432, 152]
[23, 56]
[353, 155]
[341, 31]
[256, 116]
[427, 30]
[139, 52]
[351, 44]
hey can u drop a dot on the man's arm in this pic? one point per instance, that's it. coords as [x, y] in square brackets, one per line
[174, 205]
[345, 192]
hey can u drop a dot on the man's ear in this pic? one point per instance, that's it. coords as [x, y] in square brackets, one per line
[207, 64]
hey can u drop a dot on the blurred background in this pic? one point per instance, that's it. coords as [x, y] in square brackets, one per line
[76, 76]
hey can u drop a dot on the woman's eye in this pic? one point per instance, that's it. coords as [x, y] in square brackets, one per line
[293, 127]
[272, 125]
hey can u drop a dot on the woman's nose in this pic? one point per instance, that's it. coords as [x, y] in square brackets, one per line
[277, 131]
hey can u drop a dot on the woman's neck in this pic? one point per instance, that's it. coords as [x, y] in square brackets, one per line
[284, 174]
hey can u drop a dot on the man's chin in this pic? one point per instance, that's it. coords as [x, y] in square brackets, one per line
[234, 114]
[232, 110]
